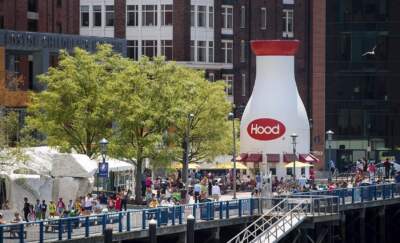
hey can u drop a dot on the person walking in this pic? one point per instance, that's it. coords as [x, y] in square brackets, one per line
[197, 191]
[215, 192]
[26, 209]
[43, 207]
[60, 207]
[52, 209]
[371, 170]
[38, 210]
[386, 164]
[124, 199]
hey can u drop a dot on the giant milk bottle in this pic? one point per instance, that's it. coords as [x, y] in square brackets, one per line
[275, 109]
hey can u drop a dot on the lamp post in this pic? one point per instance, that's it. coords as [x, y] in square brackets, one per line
[187, 148]
[294, 138]
[103, 150]
[329, 134]
[232, 117]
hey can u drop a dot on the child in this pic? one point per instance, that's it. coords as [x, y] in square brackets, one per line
[52, 209]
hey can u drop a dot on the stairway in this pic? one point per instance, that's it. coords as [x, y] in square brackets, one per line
[274, 224]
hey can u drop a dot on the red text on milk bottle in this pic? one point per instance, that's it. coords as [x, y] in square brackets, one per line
[266, 129]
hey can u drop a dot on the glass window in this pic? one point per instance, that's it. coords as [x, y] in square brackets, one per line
[211, 77]
[32, 25]
[243, 17]
[287, 23]
[97, 15]
[227, 17]
[263, 18]
[132, 15]
[109, 15]
[210, 51]
[229, 83]
[166, 14]
[166, 49]
[85, 16]
[201, 51]
[192, 51]
[201, 16]
[227, 47]
[32, 5]
[243, 51]
[243, 84]
[149, 48]
[149, 15]
[132, 47]
[59, 3]
[192, 16]
[211, 17]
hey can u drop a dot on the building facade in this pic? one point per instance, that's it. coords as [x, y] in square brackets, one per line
[362, 79]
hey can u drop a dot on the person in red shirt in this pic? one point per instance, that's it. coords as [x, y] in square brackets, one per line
[118, 203]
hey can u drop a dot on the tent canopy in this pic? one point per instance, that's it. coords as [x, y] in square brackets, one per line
[118, 165]
[298, 165]
[222, 166]
[178, 165]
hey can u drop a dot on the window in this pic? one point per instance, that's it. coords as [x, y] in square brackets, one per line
[229, 83]
[227, 17]
[97, 15]
[166, 14]
[149, 15]
[149, 48]
[201, 51]
[192, 51]
[132, 15]
[1, 22]
[132, 48]
[263, 18]
[59, 3]
[211, 17]
[243, 84]
[210, 51]
[288, 1]
[227, 50]
[243, 17]
[32, 25]
[109, 15]
[287, 23]
[192, 16]
[32, 5]
[58, 27]
[273, 171]
[166, 49]
[201, 16]
[243, 51]
[85, 16]
[211, 77]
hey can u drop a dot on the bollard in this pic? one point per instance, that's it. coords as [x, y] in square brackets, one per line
[190, 229]
[108, 235]
[153, 231]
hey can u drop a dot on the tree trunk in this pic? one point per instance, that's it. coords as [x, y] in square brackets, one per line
[138, 181]
[184, 162]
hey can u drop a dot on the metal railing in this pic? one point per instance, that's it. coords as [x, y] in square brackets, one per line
[286, 209]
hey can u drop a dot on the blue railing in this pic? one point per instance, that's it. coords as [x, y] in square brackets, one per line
[321, 202]
[360, 194]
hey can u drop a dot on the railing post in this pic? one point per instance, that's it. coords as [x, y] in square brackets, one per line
[240, 208]
[392, 187]
[194, 211]
[128, 221]
[104, 222]
[353, 191]
[180, 214]
[173, 214]
[144, 219]
[41, 232]
[69, 228]
[21, 233]
[251, 206]
[227, 209]
[375, 193]
[220, 210]
[119, 222]
[60, 229]
[1, 234]
[362, 193]
[87, 226]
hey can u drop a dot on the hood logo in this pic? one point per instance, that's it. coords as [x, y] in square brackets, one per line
[266, 129]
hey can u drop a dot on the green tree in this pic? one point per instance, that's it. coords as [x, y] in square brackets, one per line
[72, 113]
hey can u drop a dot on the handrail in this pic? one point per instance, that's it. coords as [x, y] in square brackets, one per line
[277, 226]
[248, 232]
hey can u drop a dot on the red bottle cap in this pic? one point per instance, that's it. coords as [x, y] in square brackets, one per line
[275, 47]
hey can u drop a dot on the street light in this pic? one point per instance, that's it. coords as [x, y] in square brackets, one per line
[187, 146]
[103, 150]
[329, 134]
[294, 138]
[232, 117]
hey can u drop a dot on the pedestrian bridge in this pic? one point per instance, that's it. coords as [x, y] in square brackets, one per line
[268, 219]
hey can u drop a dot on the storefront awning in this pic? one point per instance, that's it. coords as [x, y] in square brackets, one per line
[289, 158]
[242, 157]
[309, 158]
[254, 158]
[273, 158]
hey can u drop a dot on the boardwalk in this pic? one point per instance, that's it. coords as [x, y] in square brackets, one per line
[322, 203]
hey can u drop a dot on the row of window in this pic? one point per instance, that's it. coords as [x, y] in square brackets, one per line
[149, 48]
[198, 16]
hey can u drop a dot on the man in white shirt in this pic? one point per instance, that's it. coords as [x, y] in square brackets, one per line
[215, 192]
